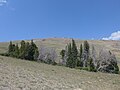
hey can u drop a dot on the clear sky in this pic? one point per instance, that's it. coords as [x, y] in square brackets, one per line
[84, 19]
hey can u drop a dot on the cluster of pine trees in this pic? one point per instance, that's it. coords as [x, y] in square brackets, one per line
[84, 59]
[72, 57]
[28, 51]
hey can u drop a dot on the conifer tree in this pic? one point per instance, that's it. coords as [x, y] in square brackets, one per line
[69, 61]
[90, 65]
[81, 51]
[62, 53]
[10, 48]
[74, 54]
[32, 50]
[85, 54]
[86, 46]
[16, 53]
[79, 63]
[36, 54]
[22, 50]
[26, 51]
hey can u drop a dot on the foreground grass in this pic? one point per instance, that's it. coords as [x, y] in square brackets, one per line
[16, 74]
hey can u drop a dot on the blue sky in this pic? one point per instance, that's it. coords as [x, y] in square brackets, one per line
[84, 19]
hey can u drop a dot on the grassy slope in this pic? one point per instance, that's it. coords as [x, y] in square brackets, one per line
[60, 43]
[16, 74]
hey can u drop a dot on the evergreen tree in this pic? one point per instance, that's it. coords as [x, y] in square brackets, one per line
[86, 46]
[36, 54]
[85, 56]
[22, 50]
[12, 54]
[81, 51]
[62, 53]
[32, 50]
[10, 48]
[74, 54]
[68, 62]
[90, 65]
[26, 51]
[16, 53]
[79, 63]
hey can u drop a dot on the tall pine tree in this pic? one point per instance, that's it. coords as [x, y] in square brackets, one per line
[22, 50]
[74, 53]
[69, 59]
[79, 63]
[86, 46]
[16, 53]
[33, 49]
[85, 57]
[10, 48]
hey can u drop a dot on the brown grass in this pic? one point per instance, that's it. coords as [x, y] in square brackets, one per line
[16, 74]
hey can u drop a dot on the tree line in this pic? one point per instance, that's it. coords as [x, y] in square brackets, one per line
[83, 57]
[87, 59]
[28, 51]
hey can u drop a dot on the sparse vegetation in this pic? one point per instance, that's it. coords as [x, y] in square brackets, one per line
[19, 74]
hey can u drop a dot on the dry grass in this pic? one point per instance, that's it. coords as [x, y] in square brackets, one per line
[60, 43]
[16, 74]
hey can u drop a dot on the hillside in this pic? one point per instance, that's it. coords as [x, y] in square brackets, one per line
[16, 74]
[60, 43]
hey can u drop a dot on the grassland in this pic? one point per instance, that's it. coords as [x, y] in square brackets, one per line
[16, 74]
[60, 43]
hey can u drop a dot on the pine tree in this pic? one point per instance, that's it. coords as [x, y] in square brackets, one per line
[26, 51]
[81, 51]
[36, 54]
[85, 56]
[79, 63]
[10, 48]
[62, 53]
[32, 50]
[90, 65]
[86, 46]
[74, 55]
[22, 50]
[16, 53]
[68, 62]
